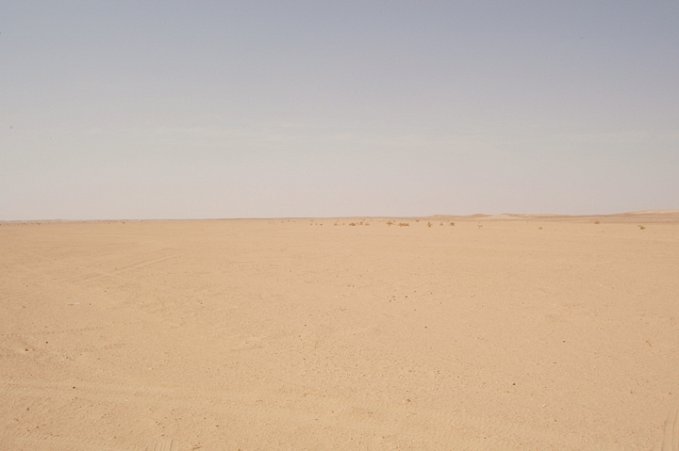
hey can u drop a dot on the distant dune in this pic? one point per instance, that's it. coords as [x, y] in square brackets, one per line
[635, 216]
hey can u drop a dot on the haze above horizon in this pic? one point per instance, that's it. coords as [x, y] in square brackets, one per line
[280, 109]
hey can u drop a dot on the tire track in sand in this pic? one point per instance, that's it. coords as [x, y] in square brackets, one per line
[670, 441]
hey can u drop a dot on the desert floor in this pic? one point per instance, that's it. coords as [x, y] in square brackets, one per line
[492, 333]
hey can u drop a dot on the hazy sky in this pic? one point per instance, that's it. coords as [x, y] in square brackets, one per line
[142, 109]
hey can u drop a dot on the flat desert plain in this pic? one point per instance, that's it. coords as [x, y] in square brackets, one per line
[511, 332]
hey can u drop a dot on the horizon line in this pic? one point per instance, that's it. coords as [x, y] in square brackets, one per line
[438, 215]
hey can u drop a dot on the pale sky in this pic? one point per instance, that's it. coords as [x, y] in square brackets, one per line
[181, 109]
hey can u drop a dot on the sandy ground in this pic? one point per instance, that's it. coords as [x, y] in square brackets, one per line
[493, 333]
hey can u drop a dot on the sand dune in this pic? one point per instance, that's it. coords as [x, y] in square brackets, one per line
[490, 333]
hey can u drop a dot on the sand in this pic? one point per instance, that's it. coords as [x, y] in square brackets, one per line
[509, 332]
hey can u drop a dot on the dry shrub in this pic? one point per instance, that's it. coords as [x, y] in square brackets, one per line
[403, 224]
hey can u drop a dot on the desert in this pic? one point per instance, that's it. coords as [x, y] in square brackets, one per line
[477, 332]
